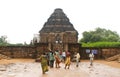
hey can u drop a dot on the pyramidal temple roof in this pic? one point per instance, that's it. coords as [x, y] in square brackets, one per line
[57, 22]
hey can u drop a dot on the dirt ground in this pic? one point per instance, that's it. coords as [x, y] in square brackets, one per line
[110, 63]
[8, 61]
[30, 68]
[115, 64]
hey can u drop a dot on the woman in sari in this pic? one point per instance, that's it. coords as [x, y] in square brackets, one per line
[57, 60]
[68, 60]
[44, 63]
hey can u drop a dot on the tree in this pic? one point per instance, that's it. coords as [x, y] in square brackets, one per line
[3, 40]
[100, 35]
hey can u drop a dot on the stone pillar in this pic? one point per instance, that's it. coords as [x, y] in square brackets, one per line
[49, 46]
[66, 47]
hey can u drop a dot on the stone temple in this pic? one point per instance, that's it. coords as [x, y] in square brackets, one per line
[58, 32]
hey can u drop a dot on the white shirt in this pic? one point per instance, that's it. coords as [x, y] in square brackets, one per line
[91, 55]
[77, 56]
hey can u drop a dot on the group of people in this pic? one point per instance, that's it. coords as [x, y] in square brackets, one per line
[54, 57]
[48, 59]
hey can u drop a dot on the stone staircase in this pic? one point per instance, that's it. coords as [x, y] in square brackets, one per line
[115, 57]
[4, 57]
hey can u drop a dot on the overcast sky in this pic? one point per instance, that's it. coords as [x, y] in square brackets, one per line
[21, 19]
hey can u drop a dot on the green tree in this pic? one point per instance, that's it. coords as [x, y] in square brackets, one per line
[3, 40]
[100, 35]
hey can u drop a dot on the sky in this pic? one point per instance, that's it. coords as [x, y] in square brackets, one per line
[20, 20]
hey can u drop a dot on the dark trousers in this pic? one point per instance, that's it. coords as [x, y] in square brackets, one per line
[51, 63]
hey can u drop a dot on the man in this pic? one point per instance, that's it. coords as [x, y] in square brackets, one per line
[63, 56]
[77, 56]
[51, 59]
[91, 56]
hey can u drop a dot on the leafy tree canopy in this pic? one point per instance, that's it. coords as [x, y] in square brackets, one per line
[100, 35]
[3, 40]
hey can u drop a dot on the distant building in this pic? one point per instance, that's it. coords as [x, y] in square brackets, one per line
[58, 31]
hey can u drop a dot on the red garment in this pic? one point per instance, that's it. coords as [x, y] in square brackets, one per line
[67, 54]
[60, 52]
[57, 59]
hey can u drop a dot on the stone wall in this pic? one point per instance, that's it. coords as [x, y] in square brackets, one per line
[18, 51]
[35, 51]
[102, 53]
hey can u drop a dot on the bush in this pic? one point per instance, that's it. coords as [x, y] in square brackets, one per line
[101, 44]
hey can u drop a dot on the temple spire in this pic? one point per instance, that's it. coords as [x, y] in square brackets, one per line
[57, 22]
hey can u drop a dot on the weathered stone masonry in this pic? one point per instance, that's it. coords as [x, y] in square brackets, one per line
[58, 33]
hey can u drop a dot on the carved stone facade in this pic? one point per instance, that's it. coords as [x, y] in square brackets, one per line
[58, 31]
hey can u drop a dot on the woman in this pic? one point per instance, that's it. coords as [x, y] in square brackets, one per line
[57, 59]
[68, 60]
[44, 63]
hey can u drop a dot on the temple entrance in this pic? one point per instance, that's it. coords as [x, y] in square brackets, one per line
[57, 47]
